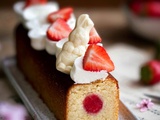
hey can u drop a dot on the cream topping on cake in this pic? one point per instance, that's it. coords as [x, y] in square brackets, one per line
[59, 45]
[34, 24]
[76, 45]
[69, 51]
[50, 46]
[79, 75]
[34, 18]
[34, 15]
[18, 8]
[38, 36]
[41, 41]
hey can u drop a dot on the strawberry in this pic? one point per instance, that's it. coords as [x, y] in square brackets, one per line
[153, 8]
[64, 13]
[97, 59]
[150, 72]
[34, 2]
[94, 37]
[150, 8]
[58, 30]
[137, 7]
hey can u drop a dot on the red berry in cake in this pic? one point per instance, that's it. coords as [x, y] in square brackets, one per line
[64, 13]
[34, 2]
[92, 104]
[94, 37]
[150, 72]
[97, 59]
[58, 30]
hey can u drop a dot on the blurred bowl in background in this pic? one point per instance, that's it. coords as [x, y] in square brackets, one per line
[146, 27]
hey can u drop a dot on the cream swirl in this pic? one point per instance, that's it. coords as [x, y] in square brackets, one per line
[34, 15]
[79, 75]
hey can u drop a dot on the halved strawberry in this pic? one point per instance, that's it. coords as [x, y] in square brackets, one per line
[34, 2]
[58, 30]
[94, 37]
[97, 59]
[64, 13]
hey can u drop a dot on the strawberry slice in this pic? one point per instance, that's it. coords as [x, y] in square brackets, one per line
[34, 2]
[58, 30]
[97, 59]
[64, 13]
[94, 37]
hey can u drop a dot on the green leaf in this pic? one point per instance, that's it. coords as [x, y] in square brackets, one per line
[146, 74]
[157, 50]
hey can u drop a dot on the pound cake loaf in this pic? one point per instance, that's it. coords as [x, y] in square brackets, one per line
[75, 84]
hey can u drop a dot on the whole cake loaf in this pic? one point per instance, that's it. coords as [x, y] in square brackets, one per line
[69, 68]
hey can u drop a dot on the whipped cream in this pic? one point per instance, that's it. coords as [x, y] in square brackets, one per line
[18, 8]
[34, 24]
[59, 45]
[34, 18]
[50, 46]
[35, 15]
[38, 36]
[39, 11]
[76, 45]
[79, 75]
[38, 31]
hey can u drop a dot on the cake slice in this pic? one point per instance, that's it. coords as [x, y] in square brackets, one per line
[67, 99]
[94, 101]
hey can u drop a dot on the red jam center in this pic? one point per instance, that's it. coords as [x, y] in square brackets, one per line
[92, 104]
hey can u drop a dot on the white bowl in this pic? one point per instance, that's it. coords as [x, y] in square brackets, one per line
[148, 28]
